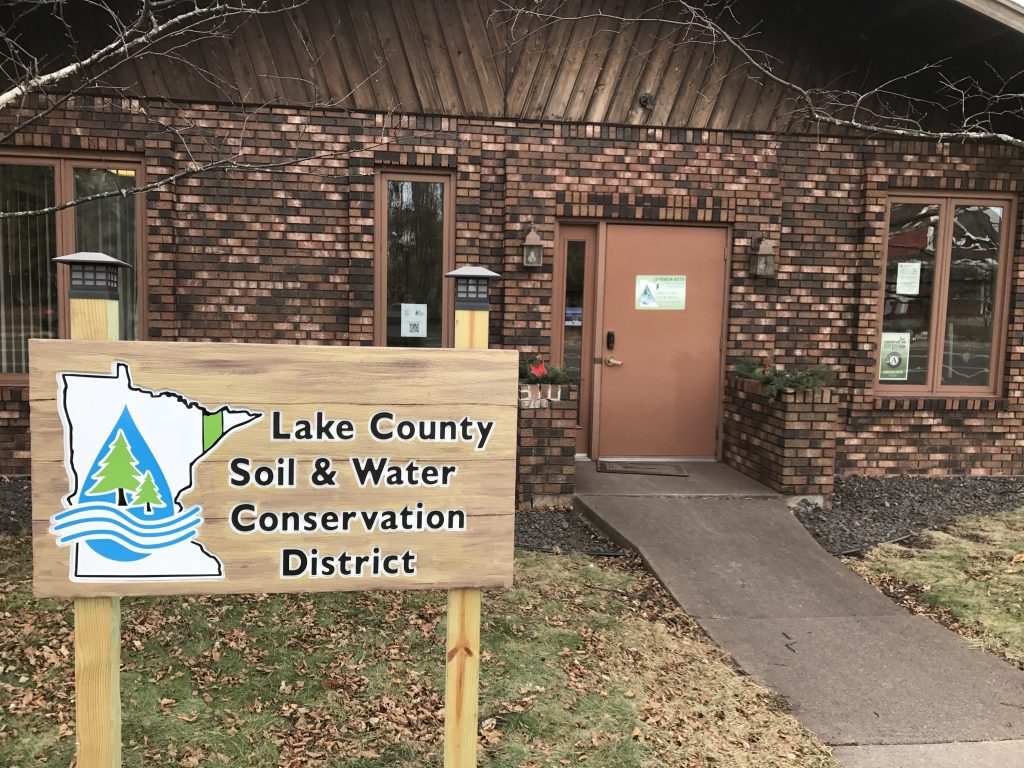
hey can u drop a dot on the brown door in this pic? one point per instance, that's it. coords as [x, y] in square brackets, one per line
[661, 340]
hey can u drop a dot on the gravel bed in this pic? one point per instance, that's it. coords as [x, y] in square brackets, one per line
[561, 531]
[871, 510]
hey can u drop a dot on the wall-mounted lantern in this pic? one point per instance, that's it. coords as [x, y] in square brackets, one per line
[472, 287]
[762, 258]
[533, 249]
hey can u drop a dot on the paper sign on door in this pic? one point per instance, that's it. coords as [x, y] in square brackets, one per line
[660, 292]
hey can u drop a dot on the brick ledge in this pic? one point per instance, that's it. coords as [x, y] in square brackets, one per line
[890, 403]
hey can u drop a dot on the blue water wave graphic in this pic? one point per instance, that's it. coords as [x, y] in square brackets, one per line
[145, 461]
[100, 522]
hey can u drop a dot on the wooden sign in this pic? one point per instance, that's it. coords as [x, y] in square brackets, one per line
[172, 468]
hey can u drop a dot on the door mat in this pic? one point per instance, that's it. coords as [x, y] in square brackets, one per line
[670, 468]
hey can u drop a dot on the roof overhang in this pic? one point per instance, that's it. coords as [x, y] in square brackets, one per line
[1004, 11]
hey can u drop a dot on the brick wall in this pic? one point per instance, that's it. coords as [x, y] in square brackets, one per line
[789, 443]
[13, 431]
[547, 445]
[287, 257]
[935, 436]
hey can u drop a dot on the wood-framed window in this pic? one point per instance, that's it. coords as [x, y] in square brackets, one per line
[574, 281]
[414, 248]
[33, 290]
[944, 295]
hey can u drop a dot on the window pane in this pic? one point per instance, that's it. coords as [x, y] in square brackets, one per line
[574, 281]
[415, 222]
[970, 302]
[28, 277]
[108, 226]
[909, 284]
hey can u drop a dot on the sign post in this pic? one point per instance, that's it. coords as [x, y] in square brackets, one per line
[94, 293]
[193, 468]
[462, 674]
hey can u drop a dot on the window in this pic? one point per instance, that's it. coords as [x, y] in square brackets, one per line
[414, 251]
[944, 297]
[575, 281]
[572, 305]
[31, 297]
[28, 279]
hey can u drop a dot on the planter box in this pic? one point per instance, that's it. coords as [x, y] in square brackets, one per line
[788, 443]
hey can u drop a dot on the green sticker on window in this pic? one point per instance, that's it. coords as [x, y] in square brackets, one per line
[895, 362]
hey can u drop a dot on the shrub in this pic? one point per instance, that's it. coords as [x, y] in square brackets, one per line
[536, 372]
[778, 380]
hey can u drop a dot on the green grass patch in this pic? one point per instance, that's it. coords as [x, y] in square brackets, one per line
[970, 575]
[585, 663]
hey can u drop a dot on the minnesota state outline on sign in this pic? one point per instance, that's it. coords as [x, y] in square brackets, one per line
[130, 455]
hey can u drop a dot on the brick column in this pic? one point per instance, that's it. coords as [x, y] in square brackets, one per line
[547, 445]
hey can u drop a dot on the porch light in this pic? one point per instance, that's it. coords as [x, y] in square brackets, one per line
[472, 287]
[762, 259]
[93, 275]
[533, 249]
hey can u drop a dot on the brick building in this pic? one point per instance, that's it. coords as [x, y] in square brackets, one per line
[637, 156]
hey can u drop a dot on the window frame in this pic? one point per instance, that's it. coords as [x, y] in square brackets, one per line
[947, 201]
[380, 249]
[64, 165]
[587, 233]
[571, 232]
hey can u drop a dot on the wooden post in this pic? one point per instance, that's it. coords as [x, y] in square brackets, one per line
[98, 682]
[462, 678]
[471, 328]
[462, 673]
[97, 619]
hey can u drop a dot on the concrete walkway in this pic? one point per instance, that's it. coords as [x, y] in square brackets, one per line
[882, 686]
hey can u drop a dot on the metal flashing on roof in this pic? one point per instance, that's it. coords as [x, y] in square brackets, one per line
[1006, 12]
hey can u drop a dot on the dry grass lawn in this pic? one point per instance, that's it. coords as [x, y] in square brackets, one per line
[969, 576]
[586, 662]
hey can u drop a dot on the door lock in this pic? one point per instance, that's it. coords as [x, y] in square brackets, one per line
[611, 362]
[609, 340]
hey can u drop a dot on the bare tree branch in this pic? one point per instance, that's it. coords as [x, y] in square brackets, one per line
[227, 160]
[891, 108]
[32, 88]
[164, 28]
[138, 36]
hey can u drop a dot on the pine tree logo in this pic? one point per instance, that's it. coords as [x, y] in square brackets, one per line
[148, 494]
[647, 296]
[117, 471]
[131, 455]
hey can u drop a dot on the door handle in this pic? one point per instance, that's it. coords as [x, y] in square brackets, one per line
[611, 362]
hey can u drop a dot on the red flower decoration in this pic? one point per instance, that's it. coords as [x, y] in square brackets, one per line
[538, 369]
